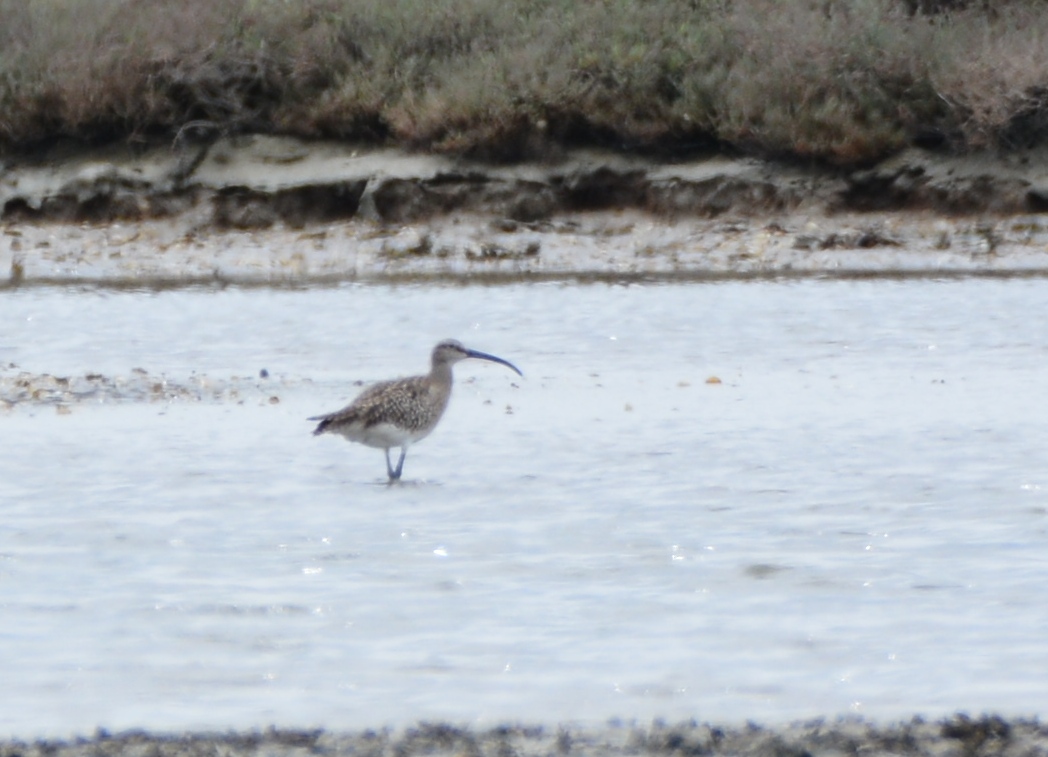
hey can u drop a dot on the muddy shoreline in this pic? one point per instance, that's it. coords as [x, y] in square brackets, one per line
[278, 211]
[958, 736]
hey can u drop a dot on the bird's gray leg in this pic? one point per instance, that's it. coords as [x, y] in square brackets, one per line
[389, 468]
[400, 464]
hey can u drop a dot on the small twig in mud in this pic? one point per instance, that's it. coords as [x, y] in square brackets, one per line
[422, 248]
[17, 275]
[988, 231]
[188, 161]
[495, 252]
[861, 239]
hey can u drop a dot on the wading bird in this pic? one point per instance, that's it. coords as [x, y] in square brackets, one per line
[400, 412]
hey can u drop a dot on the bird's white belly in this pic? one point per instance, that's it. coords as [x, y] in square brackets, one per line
[381, 435]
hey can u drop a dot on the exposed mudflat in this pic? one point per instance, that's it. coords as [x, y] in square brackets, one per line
[960, 736]
[271, 211]
[18, 387]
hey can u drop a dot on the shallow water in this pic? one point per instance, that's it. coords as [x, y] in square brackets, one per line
[855, 519]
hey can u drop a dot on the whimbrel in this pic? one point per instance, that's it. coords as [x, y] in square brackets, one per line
[400, 412]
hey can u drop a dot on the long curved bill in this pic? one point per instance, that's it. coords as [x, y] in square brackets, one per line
[493, 359]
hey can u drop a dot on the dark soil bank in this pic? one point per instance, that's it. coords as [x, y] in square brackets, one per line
[254, 182]
[959, 736]
[279, 211]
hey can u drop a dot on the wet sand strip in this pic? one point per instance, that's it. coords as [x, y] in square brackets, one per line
[467, 250]
[19, 388]
[957, 736]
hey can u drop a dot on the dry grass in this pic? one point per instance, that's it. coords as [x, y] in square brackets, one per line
[841, 81]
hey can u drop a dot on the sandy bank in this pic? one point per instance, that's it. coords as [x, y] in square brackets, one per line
[265, 210]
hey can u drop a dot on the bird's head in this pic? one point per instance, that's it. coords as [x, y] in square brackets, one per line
[451, 351]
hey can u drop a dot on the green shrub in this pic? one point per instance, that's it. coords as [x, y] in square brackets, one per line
[841, 81]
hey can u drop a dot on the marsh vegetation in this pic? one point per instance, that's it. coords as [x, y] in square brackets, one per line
[838, 81]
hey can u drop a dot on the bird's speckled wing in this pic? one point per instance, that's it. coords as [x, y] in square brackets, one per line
[401, 402]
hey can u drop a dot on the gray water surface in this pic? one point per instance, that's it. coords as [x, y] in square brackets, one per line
[853, 520]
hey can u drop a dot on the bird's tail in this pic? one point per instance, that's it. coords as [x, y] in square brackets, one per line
[325, 421]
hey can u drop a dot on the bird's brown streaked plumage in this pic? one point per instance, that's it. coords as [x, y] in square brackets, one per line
[400, 412]
[412, 404]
